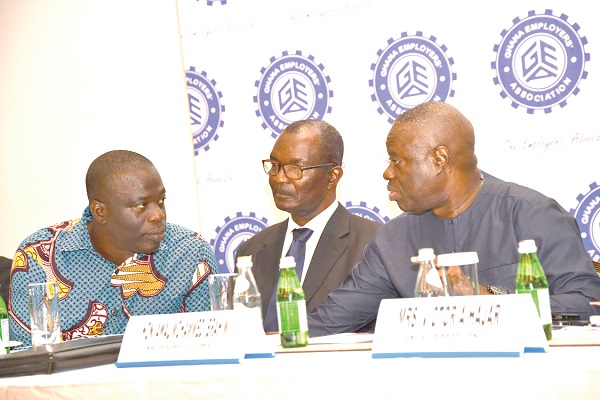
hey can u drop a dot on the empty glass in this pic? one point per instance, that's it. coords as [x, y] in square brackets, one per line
[220, 288]
[44, 313]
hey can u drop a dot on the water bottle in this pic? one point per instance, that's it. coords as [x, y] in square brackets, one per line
[246, 297]
[429, 283]
[4, 330]
[291, 306]
[532, 279]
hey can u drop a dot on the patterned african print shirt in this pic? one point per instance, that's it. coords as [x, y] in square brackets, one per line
[96, 296]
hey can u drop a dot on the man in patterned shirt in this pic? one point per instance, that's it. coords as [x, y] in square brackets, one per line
[121, 258]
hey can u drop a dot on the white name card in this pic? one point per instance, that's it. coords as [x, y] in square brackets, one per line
[458, 326]
[211, 337]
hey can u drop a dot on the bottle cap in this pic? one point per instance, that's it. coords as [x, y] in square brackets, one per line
[287, 262]
[426, 254]
[244, 262]
[450, 259]
[527, 246]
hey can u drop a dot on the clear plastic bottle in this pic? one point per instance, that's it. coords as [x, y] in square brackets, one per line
[4, 329]
[291, 306]
[532, 279]
[246, 297]
[429, 283]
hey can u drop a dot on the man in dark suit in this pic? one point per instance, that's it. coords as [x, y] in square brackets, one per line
[304, 169]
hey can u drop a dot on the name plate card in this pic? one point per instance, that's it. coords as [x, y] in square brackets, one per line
[210, 337]
[458, 326]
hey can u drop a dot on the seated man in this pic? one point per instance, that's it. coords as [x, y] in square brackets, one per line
[451, 206]
[121, 258]
[304, 169]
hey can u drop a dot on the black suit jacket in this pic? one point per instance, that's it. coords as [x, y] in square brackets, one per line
[339, 248]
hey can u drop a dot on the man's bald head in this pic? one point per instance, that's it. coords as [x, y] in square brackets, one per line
[103, 169]
[437, 124]
[432, 166]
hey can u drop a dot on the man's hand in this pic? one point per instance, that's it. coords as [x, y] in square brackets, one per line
[458, 282]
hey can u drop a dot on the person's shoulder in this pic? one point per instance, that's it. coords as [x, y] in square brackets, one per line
[404, 222]
[365, 223]
[272, 230]
[514, 191]
[183, 244]
[342, 212]
[48, 232]
[180, 234]
[40, 234]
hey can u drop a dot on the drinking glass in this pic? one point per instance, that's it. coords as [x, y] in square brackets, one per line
[44, 313]
[220, 288]
[461, 272]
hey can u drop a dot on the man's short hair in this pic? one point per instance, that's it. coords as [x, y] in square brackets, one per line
[332, 149]
[103, 168]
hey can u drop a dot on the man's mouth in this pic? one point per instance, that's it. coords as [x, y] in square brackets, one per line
[156, 236]
[279, 193]
[393, 193]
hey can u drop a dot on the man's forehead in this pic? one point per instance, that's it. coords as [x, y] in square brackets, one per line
[397, 136]
[295, 147]
[132, 177]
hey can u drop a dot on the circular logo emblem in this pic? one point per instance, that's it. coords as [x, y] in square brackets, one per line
[233, 233]
[366, 212]
[206, 111]
[291, 88]
[540, 61]
[410, 71]
[587, 214]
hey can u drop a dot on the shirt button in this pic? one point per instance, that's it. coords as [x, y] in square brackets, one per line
[114, 312]
[450, 222]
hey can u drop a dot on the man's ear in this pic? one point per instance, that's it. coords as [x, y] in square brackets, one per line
[98, 210]
[441, 158]
[335, 174]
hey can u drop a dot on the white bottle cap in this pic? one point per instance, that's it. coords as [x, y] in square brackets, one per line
[244, 262]
[450, 259]
[527, 246]
[287, 262]
[426, 254]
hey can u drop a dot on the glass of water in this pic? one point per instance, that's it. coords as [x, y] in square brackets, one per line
[44, 313]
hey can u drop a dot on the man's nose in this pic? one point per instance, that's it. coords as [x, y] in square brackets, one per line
[281, 176]
[388, 173]
[157, 213]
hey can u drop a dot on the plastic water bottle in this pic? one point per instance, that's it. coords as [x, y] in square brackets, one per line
[429, 283]
[246, 297]
[4, 329]
[532, 279]
[291, 306]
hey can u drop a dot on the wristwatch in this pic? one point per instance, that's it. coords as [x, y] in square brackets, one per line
[494, 289]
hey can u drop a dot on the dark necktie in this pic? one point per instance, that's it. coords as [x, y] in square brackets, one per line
[298, 251]
[298, 248]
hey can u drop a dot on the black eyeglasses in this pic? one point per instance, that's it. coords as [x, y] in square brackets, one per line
[291, 171]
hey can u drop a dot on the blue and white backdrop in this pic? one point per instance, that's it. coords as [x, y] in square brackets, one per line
[523, 72]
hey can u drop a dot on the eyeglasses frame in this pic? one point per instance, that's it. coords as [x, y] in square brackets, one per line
[302, 169]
